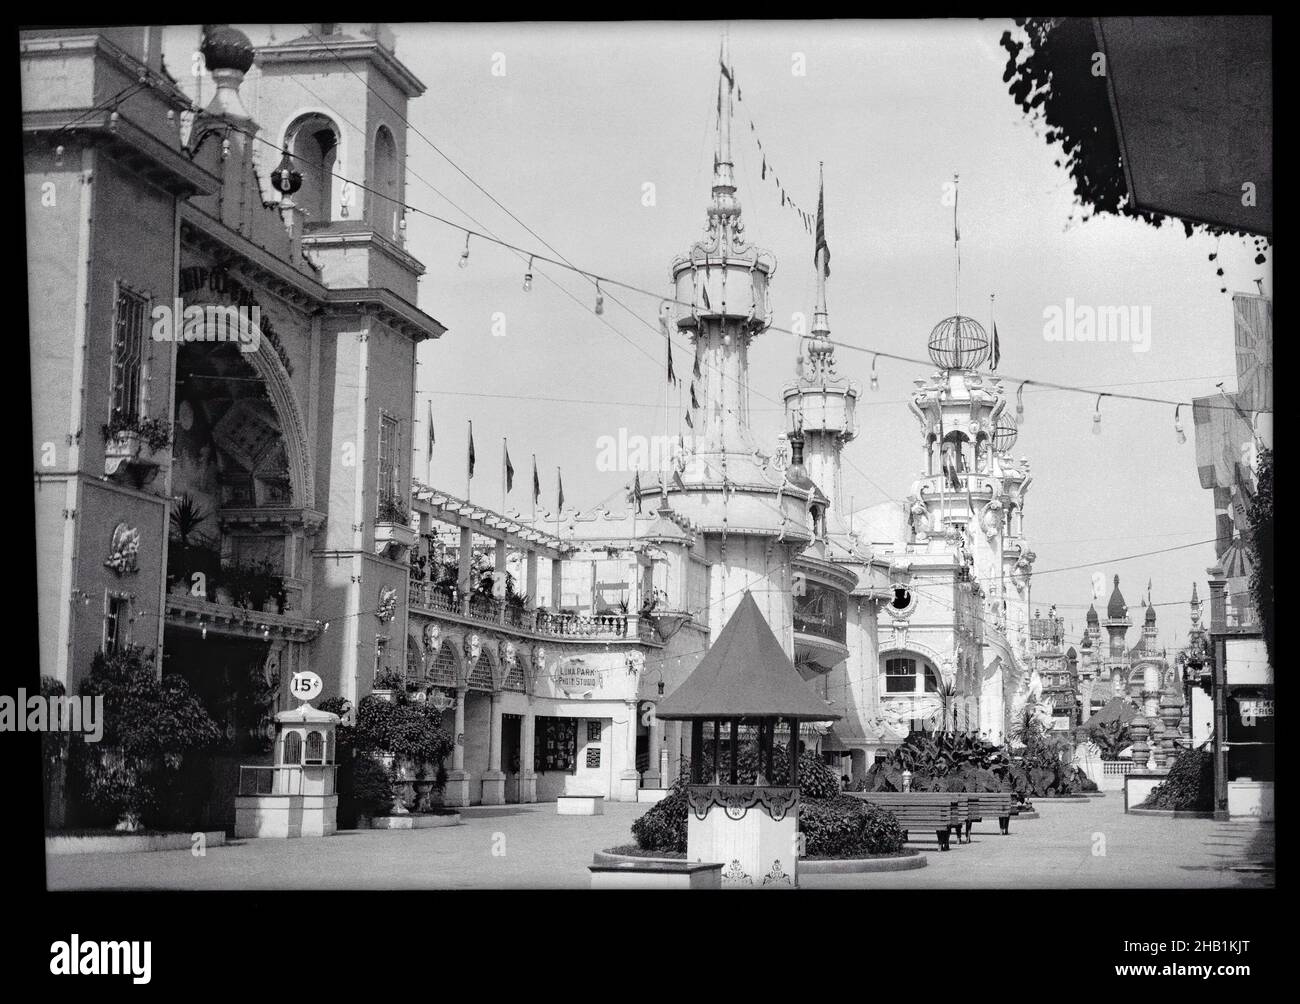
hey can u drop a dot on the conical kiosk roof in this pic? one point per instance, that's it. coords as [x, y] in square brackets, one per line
[745, 674]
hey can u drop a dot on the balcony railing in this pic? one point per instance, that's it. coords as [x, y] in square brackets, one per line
[489, 611]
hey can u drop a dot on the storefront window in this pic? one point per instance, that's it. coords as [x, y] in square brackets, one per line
[555, 746]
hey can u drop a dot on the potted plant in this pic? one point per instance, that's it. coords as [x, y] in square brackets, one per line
[393, 533]
[130, 443]
[388, 684]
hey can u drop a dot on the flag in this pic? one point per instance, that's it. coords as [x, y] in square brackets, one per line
[704, 290]
[559, 481]
[677, 480]
[672, 377]
[510, 468]
[1224, 442]
[431, 436]
[695, 366]
[997, 348]
[821, 244]
[950, 465]
[1253, 319]
[636, 491]
[763, 171]
[728, 72]
[689, 421]
[470, 458]
[537, 484]
[694, 401]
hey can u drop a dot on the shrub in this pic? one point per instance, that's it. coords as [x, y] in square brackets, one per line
[835, 825]
[407, 729]
[1189, 786]
[149, 726]
[847, 827]
[663, 827]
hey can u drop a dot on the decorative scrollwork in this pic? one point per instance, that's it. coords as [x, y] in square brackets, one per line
[735, 875]
[776, 876]
[387, 604]
[737, 799]
[124, 549]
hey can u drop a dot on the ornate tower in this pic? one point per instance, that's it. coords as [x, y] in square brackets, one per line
[1117, 621]
[345, 129]
[1149, 629]
[754, 519]
[820, 403]
[973, 490]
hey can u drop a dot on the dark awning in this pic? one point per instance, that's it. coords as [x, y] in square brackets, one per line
[1117, 710]
[745, 674]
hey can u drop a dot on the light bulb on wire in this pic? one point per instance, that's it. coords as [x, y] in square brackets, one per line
[875, 380]
[464, 255]
[528, 276]
[1096, 419]
[1178, 426]
[600, 299]
[1020, 405]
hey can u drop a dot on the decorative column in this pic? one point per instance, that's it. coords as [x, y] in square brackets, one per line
[653, 774]
[527, 742]
[457, 792]
[557, 581]
[465, 567]
[1140, 730]
[494, 779]
[1157, 743]
[530, 577]
[628, 778]
[1171, 712]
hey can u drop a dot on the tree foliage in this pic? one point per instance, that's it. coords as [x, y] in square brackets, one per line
[1260, 517]
[150, 724]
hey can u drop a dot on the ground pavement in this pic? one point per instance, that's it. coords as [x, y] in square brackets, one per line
[1073, 845]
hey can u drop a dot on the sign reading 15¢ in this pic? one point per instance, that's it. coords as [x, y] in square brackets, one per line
[306, 686]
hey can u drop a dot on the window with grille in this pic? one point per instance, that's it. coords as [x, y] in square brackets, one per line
[444, 667]
[115, 624]
[315, 748]
[127, 373]
[292, 747]
[388, 447]
[481, 676]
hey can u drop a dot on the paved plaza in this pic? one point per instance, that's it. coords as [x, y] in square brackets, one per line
[530, 847]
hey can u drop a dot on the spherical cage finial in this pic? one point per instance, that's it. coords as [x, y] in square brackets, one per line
[959, 342]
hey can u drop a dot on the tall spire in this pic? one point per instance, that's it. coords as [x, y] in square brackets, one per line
[821, 258]
[722, 176]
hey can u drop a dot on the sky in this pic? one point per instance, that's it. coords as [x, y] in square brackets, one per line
[584, 116]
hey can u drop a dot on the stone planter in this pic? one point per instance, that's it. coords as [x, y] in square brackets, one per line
[394, 539]
[125, 453]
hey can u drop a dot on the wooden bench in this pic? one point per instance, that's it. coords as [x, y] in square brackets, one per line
[994, 804]
[939, 811]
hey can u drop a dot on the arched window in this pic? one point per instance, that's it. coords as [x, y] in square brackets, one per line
[292, 748]
[315, 748]
[387, 212]
[313, 143]
[907, 674]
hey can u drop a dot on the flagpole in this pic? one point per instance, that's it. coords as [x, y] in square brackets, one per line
[469, 471]
[956, 275]
[534, 492]
[503, 475]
